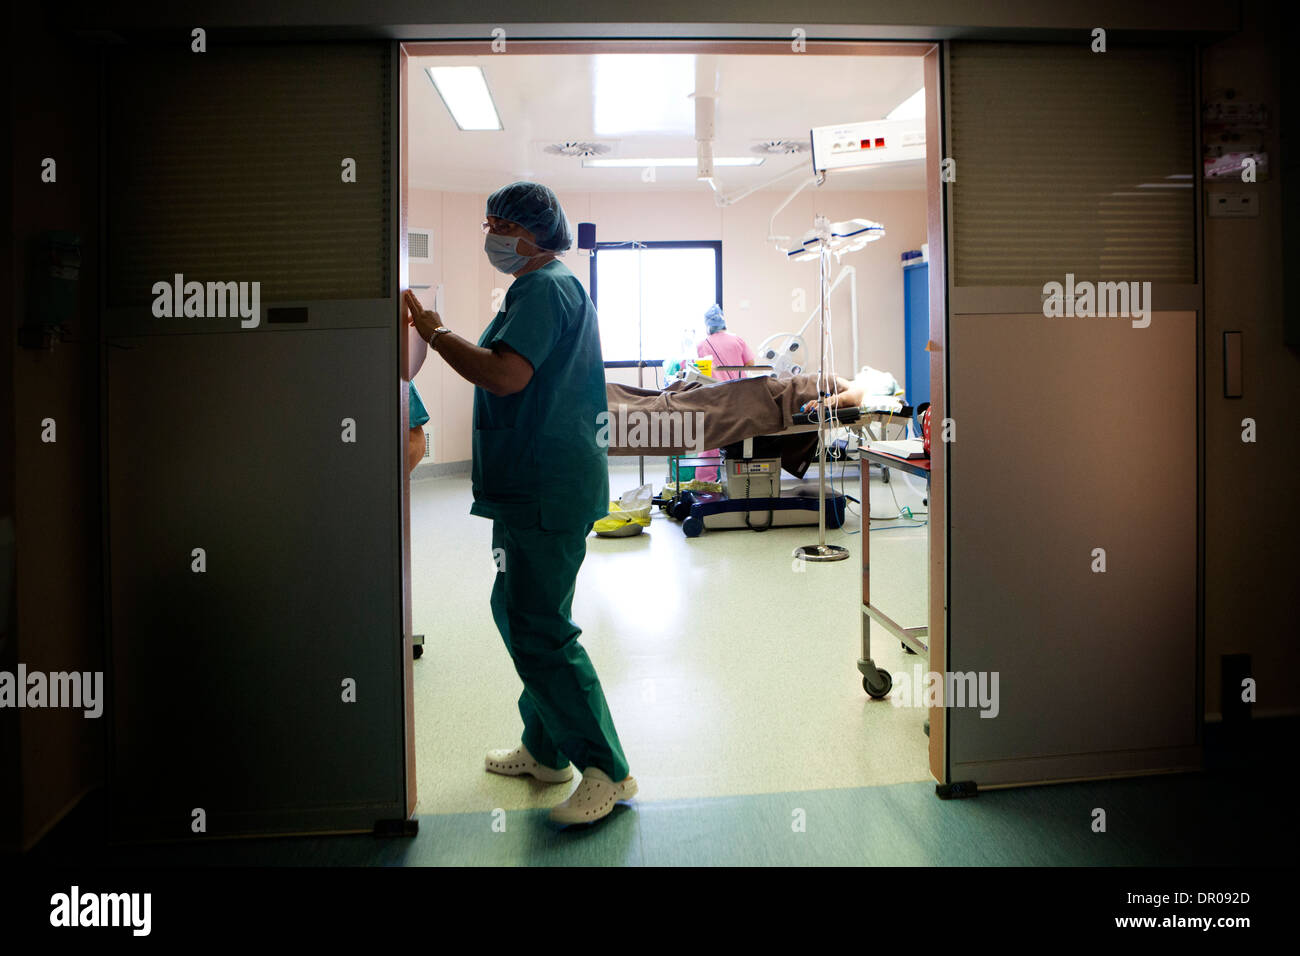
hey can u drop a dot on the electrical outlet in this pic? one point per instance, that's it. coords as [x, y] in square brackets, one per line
[1234, 205]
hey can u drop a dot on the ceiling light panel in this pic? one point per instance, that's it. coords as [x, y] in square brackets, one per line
[670, 161]
[464, 91]
[643, 93]
[911, 108]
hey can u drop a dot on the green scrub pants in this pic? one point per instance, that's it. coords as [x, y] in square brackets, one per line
[563, 707]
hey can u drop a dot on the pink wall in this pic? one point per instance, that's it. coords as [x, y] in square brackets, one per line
[759, 286]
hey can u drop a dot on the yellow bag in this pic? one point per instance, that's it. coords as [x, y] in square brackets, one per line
[628, 516]
[621, 524]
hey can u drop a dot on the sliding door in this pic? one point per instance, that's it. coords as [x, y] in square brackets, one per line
[255, 442]
[1073, 345]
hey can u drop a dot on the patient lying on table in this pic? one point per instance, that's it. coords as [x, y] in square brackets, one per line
[723, 413]
[870, 388]
[718, 414]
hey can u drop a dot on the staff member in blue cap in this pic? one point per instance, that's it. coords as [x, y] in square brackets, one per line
[724, 348]
[539, 386]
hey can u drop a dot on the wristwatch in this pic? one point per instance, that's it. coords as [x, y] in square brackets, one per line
[433, 335]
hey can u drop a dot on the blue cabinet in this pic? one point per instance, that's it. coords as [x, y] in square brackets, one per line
[916, 332]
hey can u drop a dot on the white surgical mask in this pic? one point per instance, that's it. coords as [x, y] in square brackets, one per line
[503, 253]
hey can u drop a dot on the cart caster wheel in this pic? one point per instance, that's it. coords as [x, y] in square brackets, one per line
[418, 651]
[906, 648]
[881, 692]
[692, 526]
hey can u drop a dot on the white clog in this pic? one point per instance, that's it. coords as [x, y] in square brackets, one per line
[518, 762]
[594, 798]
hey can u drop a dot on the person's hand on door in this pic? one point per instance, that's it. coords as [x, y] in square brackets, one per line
[420, 317]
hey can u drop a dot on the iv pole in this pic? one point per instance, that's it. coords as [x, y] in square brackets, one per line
[821, 551]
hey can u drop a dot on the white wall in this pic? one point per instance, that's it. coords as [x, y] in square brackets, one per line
[759, 285]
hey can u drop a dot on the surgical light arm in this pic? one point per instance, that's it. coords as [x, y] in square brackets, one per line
[776, 240]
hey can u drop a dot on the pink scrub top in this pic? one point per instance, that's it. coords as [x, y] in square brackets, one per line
[725, 348]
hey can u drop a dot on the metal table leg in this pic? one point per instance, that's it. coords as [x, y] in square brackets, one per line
[875, 681]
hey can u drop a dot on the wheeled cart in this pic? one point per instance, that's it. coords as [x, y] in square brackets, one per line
[876, 681]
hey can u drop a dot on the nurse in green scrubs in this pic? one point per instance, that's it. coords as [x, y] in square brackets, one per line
[542, 477]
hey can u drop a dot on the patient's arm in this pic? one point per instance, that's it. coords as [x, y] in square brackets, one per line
[849, 394]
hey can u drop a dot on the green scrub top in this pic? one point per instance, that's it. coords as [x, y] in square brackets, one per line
[537, 460]
[418, 413]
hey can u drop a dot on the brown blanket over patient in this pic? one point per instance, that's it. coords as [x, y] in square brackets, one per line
[727, 411]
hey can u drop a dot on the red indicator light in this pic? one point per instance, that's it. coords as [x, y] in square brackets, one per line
[866, 144]
[880, 141]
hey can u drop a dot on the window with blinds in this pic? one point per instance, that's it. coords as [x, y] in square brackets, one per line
[1070, 161]
[228, 166]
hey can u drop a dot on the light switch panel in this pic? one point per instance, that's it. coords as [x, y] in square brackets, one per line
[1233, 205]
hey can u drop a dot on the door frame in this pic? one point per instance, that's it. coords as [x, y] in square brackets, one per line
[931, 52]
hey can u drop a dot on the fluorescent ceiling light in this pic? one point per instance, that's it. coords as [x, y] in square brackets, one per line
[672, 161]
[465, 93]
[643, 93]
[911, 108]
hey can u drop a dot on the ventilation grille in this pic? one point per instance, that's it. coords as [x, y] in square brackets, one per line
[579, 149]
[1072, 161]
[417, 245]
[779, 147]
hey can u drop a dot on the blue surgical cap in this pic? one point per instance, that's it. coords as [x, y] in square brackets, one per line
[713, 320]
[534, 207]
